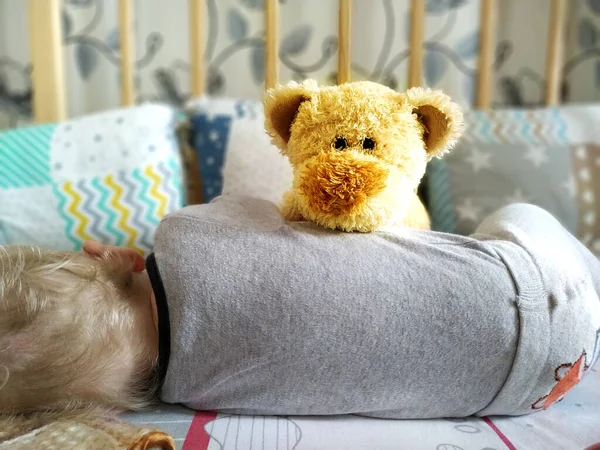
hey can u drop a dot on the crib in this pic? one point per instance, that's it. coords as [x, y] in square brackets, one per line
[572, 424]
[49, 79]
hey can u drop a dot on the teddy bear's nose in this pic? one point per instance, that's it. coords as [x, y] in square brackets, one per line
[337, 183]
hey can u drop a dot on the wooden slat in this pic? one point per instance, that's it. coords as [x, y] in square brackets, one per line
[272, 43]
[345, 11]
[197, 46]
[417, 31]
[126, 38]
[487, 42]
[47, 57]
[554, 57]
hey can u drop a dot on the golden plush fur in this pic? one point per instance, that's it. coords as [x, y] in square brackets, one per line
[359, 151]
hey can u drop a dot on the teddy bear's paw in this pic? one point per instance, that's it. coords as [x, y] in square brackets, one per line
[417, 216]
[292, 215]
[289, 207]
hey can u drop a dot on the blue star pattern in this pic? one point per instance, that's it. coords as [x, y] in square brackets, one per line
[210, 137]
[234, 153]
[211, 122]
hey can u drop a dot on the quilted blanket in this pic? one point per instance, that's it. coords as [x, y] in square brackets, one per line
[87, 431]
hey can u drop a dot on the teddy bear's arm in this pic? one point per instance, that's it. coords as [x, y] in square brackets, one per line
[417, 216]
[289, 207]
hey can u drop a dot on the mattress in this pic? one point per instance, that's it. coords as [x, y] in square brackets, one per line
[573, 423]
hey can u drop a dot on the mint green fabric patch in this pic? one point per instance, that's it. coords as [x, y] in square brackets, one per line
[25, 157]
[441, 210]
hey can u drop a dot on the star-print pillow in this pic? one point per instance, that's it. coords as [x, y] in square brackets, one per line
[549, 157]
[233, 151]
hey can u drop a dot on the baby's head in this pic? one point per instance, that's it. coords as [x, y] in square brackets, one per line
[74, 331]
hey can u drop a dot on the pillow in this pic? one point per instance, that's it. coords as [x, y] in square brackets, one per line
[549, 157]
[110, 177]
[234, 152]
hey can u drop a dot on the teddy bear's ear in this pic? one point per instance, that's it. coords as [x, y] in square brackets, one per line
[441, 118]
[281, 106]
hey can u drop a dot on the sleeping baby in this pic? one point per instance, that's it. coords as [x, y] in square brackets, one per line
[239, 311]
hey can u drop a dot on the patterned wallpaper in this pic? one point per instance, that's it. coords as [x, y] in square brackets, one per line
[235, 49]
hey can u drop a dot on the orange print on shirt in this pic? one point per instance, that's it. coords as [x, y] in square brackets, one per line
[567, 381]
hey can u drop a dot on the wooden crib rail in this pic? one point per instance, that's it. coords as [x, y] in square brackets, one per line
[344, 27]
[47, 52]
[196, 12]
[271, 43]
[417, 34]
[487, 45]
[126, 37]
[554, 57]
[47, 56]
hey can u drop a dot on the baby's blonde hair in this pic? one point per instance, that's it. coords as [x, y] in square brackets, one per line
[68, 334]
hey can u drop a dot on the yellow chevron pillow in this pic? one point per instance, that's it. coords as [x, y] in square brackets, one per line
[110, 177]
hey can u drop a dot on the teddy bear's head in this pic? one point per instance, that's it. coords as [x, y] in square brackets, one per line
[358, 150]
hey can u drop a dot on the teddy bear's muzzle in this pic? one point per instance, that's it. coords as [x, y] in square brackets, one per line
[340, 184]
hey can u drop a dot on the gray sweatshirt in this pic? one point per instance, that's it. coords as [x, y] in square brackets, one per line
[262, 316]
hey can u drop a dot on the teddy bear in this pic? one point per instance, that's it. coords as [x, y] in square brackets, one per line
[359, 151]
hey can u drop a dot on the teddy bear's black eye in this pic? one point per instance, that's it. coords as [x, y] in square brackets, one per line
[340, 143]
[368, 144]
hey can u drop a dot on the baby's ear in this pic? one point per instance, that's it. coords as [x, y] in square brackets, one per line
[281, 106]
[441, 118]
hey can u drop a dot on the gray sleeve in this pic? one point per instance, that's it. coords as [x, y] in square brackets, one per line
[540, 233]
[271, 317]
[560, 258]
[558, 304]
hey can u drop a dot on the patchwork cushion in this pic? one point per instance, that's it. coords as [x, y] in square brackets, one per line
[110, 177]
[234, 152]
[548, 157]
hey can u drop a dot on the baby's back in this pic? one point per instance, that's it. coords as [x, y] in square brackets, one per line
[271, 317]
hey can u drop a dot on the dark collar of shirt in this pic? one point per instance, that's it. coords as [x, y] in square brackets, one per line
[164, 327]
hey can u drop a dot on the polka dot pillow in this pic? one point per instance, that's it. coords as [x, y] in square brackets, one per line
[110, 177]
[233, 151]
[548, 157]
